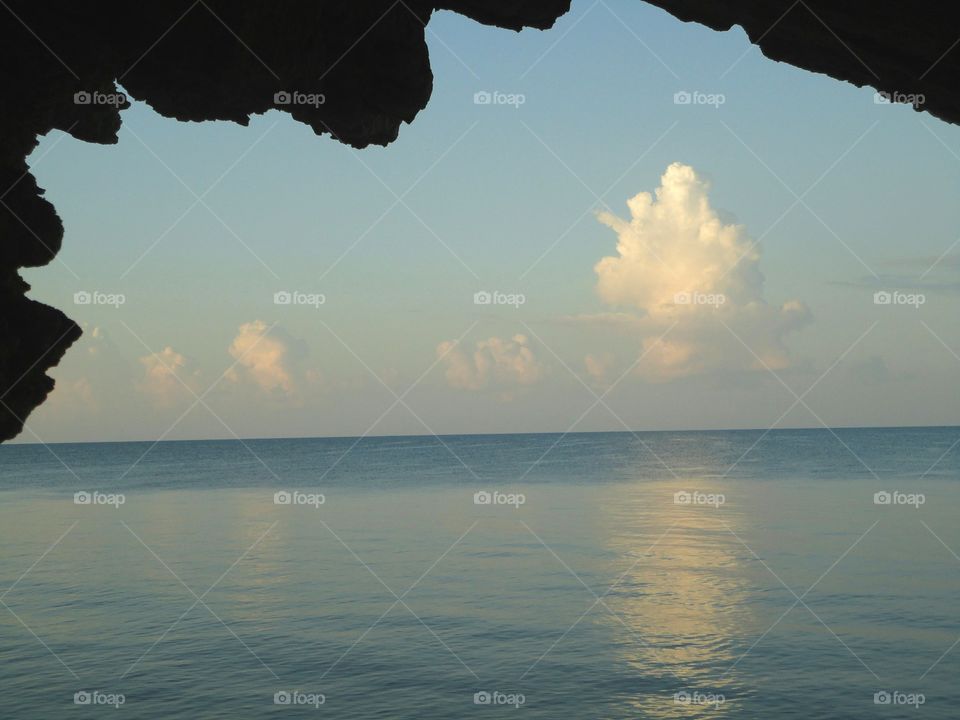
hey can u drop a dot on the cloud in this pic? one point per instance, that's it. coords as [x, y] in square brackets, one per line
[598, 366]
[97, 339]
[96, 382]
[690, 285]
[100, 373]
[918, 274]
[271, 359]
[495, 362]
[165, 374]
[74, 394]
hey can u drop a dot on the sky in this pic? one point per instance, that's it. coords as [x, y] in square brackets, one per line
[585, 252]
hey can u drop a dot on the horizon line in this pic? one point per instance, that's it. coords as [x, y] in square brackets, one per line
[486, 434]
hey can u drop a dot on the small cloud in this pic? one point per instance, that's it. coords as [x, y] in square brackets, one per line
[271, 359]
[97, 378]
[96, 339]
[495, 362]
[929, 275]
[165, 375]
[925, 264]
[598, 367]
[77, 393]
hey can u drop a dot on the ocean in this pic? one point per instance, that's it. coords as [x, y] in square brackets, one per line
[741, 574]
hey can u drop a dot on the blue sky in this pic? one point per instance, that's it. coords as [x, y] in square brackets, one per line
[506, 197]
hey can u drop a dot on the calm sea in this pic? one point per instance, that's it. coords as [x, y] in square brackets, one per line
[789, 574]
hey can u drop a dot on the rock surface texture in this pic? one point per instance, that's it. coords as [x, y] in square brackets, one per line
[228, 59]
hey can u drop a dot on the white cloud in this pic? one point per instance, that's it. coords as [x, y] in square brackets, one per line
[161, 372]
[495, 362]
[681, 270]
[271, 359]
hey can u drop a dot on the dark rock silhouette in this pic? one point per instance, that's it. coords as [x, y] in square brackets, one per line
[901, 50]
[229, 59]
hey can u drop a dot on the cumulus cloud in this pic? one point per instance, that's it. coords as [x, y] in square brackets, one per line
[494, 362]
[271, 359]
[165, 374]
[682, 273]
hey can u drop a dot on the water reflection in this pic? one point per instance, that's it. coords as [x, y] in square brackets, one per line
[681, 600]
